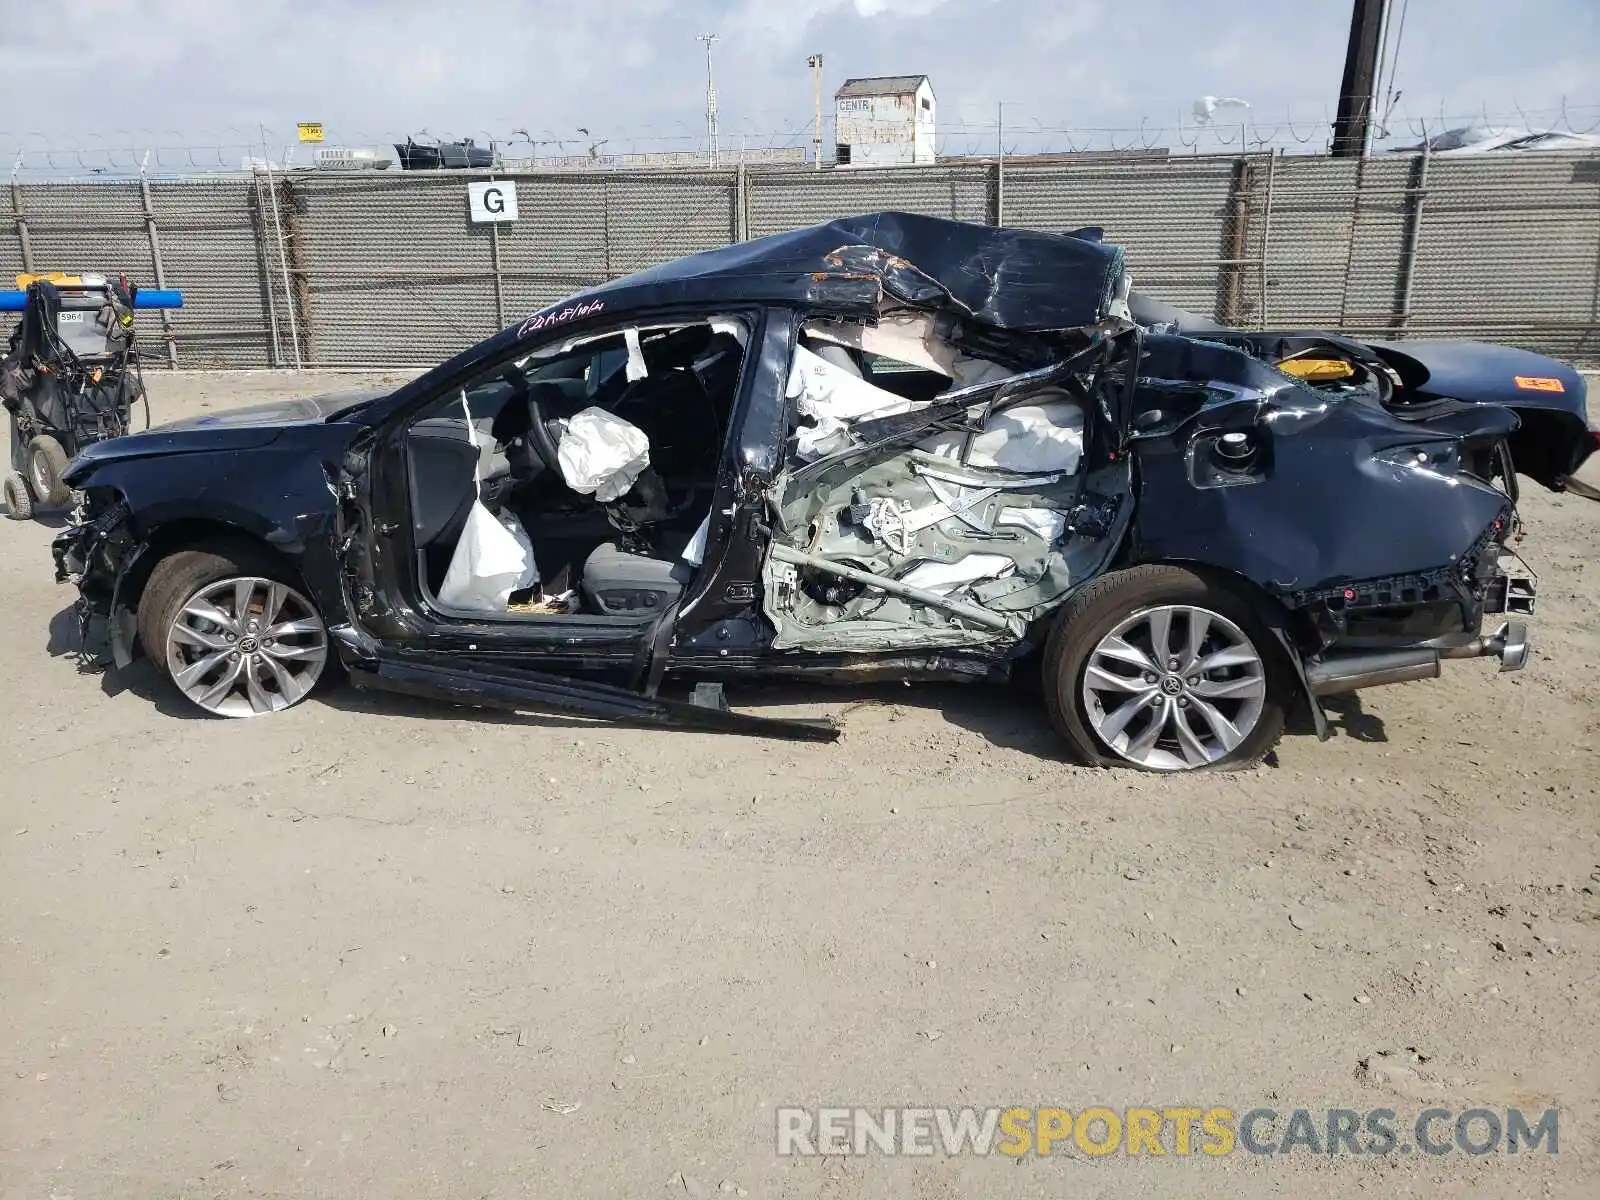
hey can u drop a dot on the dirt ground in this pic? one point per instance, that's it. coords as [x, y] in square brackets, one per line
[373, 947]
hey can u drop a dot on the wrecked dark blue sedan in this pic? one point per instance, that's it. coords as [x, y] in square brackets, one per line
[890, 447]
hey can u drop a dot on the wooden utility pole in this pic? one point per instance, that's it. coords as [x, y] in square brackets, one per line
[1354, 120]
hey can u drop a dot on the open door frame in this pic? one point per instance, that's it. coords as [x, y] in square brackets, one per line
[390, 646]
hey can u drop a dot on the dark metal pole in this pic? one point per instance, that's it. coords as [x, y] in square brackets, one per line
[1000, 165]
[160, 268]
[24, 242]
[1351, 125]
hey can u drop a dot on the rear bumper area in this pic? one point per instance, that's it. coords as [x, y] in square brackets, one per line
[1509, 644]
[1337, 674]
[1402, 629]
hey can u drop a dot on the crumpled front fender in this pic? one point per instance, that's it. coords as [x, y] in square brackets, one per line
[99, 556]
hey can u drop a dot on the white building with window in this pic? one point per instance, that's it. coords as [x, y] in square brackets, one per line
[887, 121]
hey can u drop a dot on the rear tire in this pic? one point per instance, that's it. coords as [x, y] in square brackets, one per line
[19, 505]
[1161, 668]
[47, 462]
[229, 628]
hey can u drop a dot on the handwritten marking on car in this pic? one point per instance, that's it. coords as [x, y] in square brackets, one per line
[553, 316]
[1539, 383]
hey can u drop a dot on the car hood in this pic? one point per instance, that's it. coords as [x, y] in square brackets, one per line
[232, 429]
[274, 414]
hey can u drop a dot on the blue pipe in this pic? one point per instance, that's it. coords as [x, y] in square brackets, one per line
[13, 301]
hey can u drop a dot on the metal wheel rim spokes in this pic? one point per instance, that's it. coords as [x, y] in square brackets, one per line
[1174, 687]
[40, 471]
[246, 646]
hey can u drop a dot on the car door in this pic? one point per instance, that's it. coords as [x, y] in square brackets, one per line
[387, 516]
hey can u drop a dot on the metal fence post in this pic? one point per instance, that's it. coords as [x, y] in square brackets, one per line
[494, 266]
[283, 263]
[259, 228]
[605, 224]
[161, 271]
[741, 203]
[24, 242]
[499, 285]
[1413, 237]
[1235, 242]
[1350, 251]
[300, 302]
[1266, 235]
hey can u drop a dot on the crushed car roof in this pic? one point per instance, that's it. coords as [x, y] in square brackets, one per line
[1011, 278]
[1015, 279]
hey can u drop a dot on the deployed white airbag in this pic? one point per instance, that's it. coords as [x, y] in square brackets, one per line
[943, 577]
[1029, 439]
[1046, 523]
[906, 339]
[833, 399]
[493, 557]
[603, 454]
[910, 340]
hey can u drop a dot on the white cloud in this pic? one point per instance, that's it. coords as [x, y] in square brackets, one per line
[900, 8]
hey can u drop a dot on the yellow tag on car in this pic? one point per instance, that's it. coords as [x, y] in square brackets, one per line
[1538, 383]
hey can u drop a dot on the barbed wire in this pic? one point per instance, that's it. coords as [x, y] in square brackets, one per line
[130, 152]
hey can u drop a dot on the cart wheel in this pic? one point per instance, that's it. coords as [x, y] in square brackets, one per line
[47, 461]
[19, 505]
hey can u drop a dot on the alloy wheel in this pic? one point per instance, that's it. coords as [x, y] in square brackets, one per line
[246, 646]
[1174, 687]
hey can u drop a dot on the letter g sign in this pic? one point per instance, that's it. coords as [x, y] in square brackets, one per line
[495, 200]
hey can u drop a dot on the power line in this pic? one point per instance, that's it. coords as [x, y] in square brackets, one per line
[1389, 94]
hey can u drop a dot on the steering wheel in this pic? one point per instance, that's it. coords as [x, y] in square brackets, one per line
[543, 433]
[630, 392]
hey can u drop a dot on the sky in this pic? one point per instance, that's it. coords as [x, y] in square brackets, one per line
[103, 77]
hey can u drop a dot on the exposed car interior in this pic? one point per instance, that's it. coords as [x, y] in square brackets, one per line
[619, 555]
[937, 539]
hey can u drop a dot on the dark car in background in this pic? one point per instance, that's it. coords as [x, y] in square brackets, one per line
[889, 447]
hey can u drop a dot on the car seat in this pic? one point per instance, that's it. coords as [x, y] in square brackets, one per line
[618, 584]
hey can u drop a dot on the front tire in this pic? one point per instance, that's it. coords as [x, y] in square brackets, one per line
[1164, 669]
[230, 630]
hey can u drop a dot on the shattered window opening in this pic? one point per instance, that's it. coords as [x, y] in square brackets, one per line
[948, 516]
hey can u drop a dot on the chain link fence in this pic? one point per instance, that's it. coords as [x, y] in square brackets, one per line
[382, 270]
